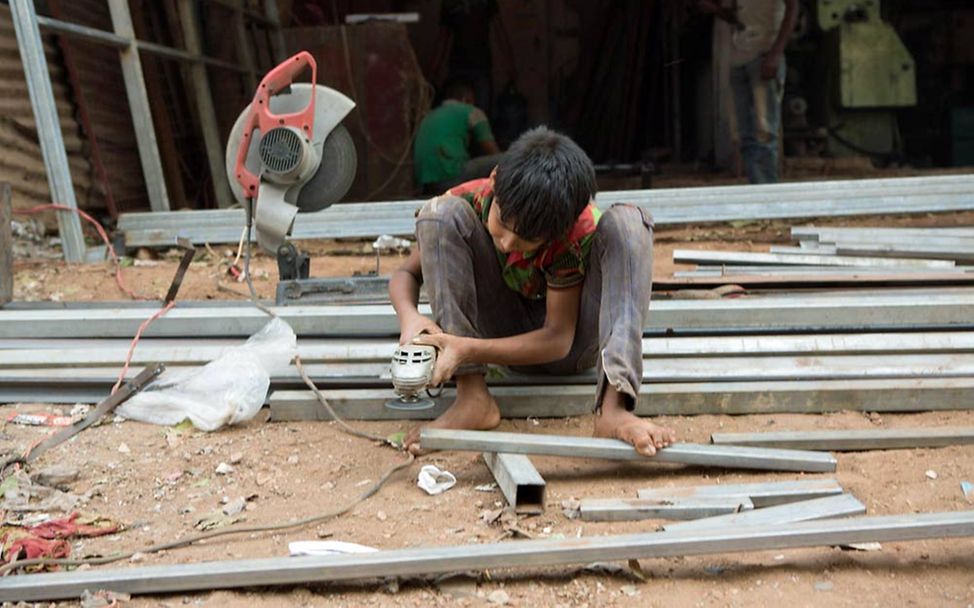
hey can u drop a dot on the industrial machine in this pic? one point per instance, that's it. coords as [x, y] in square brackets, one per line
[868, 75]
[289, 153]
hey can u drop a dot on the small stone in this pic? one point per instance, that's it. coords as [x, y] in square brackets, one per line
[932, 474]
[236, 458]
[498, 597]
[824, 586]
[381, 515]
[224, 469]
[124, 448]
[328, 485]
[629, 590]
[293, 459]
[235, 506]
[138, 556]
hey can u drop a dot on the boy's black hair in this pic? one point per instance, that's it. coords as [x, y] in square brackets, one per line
[457, 89]
[543, 183]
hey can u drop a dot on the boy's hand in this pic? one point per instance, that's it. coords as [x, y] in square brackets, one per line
[415, 326]
[452, 354]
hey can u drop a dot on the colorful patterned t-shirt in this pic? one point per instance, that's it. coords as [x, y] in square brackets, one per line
[558, 264]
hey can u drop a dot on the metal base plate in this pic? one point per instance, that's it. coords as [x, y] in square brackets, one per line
[410, 405]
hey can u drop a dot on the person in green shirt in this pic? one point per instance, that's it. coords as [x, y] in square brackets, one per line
[442, 151]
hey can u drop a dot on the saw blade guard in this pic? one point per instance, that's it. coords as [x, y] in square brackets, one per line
[288, 152]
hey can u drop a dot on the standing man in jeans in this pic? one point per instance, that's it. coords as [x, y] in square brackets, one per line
[761, 29]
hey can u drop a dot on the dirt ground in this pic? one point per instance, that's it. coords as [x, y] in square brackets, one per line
[159, 481]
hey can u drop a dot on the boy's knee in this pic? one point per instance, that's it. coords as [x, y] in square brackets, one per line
[446, 208]
[625, 221]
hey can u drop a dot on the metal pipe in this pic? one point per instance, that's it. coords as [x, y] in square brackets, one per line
[841, 505]
[613, 449]
[529, 553]
[852, 440]
[762, 494]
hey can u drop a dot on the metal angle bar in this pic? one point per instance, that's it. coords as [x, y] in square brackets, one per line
[676, 399]
[852, 440]
[91, 34]
[808, 313]
[828, 507]
[527, 553]
[613, 449]
[138, 98]
[905, 251]
[657, 369]
[635, 509]
[817, 233]
[48, 127]
[745, 257]
[820, 249]
[184, 351]
[762, 494]
[522, 485]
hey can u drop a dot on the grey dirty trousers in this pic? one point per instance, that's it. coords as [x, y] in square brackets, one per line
[469, 297]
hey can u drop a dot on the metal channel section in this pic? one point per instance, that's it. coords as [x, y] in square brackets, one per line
[189, 351]
[656, 370]
[519, 554]
[906, 309]
[674, 206]
[762, 494]
[612, 449]
[520, 482]
[745, 257]
[636, 509]
[48, 127]
[828, 507]
[672, 399]
[852, 441]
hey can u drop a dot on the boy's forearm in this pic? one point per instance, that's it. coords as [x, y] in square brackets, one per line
[404, 293]
[532, 348]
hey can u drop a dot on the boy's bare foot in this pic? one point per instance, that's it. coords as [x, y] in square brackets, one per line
[474, 409]
[614, 421]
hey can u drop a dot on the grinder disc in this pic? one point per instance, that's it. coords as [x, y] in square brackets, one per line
[410, 405]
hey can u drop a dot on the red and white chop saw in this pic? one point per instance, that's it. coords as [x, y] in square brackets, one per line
[288, 151]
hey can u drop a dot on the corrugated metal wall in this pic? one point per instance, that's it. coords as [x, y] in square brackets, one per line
[21, 162]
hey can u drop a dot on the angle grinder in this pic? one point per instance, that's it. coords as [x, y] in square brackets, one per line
[412, 371]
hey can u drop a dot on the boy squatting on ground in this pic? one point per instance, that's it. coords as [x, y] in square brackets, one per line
[523, 270]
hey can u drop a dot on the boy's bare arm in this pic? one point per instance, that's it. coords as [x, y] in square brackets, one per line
[404, 287]
[549, 343]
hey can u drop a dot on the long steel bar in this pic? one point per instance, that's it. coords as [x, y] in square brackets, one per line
[761, 494]
[48, 127]
[528, 553]
[613, 449]
[117, 41]
[678, 399]
[519, 481]
[828, 233]
[635, 509]
[841, 505]
[920, 310]
[657, 370]
[852, 440]
[905, 251]
[746, 257]
[677, 206]
[188, 351]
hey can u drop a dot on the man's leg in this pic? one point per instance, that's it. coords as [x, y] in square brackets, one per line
[743, 98]
[616, 294]
[469, 298]
[761, 154]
